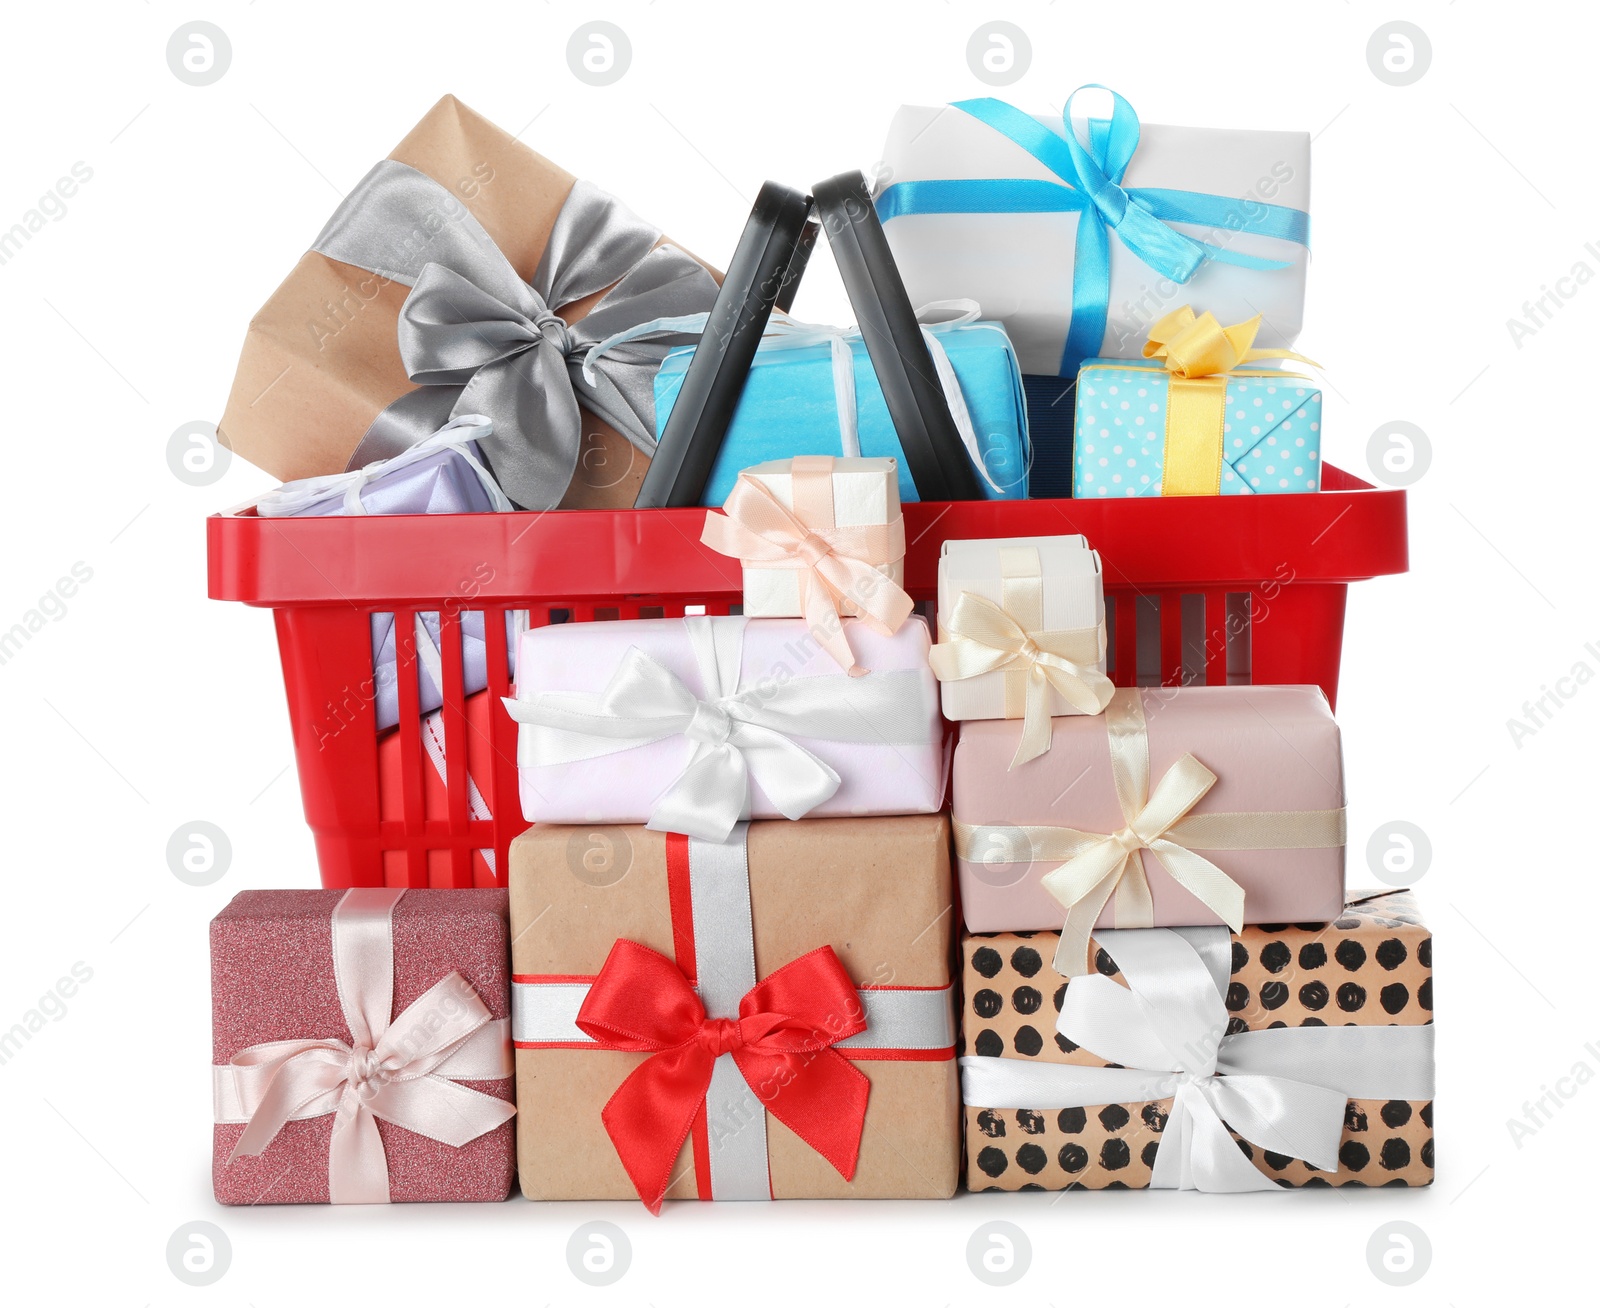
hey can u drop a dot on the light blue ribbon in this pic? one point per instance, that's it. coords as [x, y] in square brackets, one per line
[1091, 186]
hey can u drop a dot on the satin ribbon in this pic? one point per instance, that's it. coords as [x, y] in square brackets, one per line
[1199, 355]
[404, 1072]
[1091, 174]
[839, 567]
[478, 339]
[458, 436]
[782, 1043]
[737, 733]
[979, 636]
[784, 332]
[1099, 865]
[1284, 1090]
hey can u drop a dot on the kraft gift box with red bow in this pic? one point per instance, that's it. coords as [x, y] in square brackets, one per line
[361, 1047]
[771, 1017]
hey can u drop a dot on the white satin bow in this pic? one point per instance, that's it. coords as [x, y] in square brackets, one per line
[1283, 1090]
[739, 734]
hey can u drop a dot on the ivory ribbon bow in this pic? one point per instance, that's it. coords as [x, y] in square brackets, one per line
[1283, 1090]
[838, 566]
[405, 1071]
[738, 733]
[1199, 354]
[979, 636]
[782, 1043]
[1099, 865]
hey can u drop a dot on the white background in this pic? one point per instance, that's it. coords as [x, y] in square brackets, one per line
[1439, 209]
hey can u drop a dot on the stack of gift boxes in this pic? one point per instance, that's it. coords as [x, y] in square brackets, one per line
[829, 897]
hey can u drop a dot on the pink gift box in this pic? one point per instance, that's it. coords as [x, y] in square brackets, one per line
[886, 773]
[1274, 749]
[272, 978]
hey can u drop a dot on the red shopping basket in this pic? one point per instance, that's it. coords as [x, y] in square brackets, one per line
[1205, 590]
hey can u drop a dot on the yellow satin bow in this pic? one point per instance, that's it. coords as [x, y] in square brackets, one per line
[1199, 353]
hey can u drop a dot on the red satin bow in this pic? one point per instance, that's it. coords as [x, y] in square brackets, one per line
[781, 1043]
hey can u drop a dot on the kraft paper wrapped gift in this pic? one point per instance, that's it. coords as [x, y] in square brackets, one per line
[812, 390]
[361, 1047]
[1190, 420]
[465, 274]
[1022, 633]
[1180, 806]
[1077, 233]
[845, 925]
[689, 724]
[820, 538]
[1281, 1055]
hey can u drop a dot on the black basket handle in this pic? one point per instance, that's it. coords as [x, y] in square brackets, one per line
[765, 272]
[935, 457]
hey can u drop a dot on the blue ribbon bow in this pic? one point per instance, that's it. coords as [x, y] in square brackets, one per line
[1091, 186]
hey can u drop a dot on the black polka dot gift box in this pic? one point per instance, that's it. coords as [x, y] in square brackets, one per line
[1283, 1055]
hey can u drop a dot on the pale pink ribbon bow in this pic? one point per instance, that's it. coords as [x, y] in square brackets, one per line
[404, 1071]
[838, 566]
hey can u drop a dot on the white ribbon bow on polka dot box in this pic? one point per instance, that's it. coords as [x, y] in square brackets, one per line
[1144, 430]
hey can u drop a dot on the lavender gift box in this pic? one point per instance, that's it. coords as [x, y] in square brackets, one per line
[689, 724]
[442, 474]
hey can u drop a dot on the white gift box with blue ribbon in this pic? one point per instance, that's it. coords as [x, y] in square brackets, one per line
[1079, 233]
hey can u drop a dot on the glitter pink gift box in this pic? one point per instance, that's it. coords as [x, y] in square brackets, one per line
[272, 978]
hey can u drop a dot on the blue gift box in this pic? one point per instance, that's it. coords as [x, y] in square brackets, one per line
[789, 407]
[1271, 432]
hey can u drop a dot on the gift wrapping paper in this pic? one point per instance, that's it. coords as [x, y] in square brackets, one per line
[880, 734]
[273, 978]
[789, 407]
[1371, 966]
[1271, 432]
[477, 227]
[1020, 266]
[1071, 599]
[877, 890]
[1273, 749]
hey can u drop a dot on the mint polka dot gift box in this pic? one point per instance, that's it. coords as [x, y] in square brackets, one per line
[1192, 418]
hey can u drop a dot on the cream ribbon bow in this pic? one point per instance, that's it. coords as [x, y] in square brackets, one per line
[1098, 865]
[404, 1072]
[738, 734]
[979, 636]
[838, 566]
[1283, 1090]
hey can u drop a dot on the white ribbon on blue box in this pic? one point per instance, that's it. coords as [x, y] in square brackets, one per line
[1078, 233]
[811, 390]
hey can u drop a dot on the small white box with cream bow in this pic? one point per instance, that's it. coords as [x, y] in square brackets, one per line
[1022, 633]
[820, 538]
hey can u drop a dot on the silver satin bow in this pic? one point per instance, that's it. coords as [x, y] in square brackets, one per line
[1283, 1090]
[739, 734]
[478, 339]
